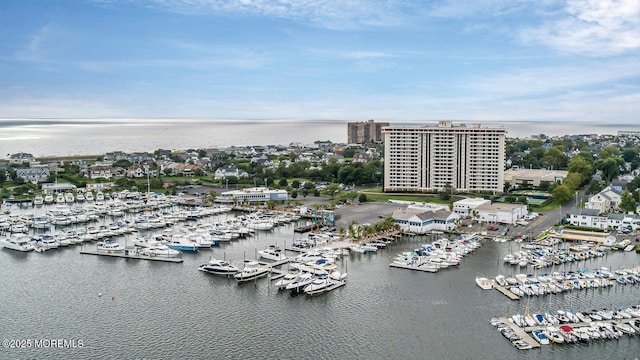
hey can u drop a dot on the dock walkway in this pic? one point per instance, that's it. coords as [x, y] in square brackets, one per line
[131, 254]
[506, 292]
[521, 333]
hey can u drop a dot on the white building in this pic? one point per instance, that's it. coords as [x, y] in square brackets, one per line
[431, 157]
[229, 170]
[594, 219]
[252, 195]
[501, 213]
[465, 207]
[421, 221]
[607, 200]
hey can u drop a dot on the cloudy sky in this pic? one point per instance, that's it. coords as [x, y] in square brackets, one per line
[572, 60]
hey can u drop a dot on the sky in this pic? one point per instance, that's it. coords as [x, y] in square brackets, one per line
[388, 60]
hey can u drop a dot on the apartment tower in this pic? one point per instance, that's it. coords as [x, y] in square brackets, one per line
[365, 131]
[426, 159]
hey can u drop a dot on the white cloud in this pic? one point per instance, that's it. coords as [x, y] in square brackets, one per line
[34, 50]
[591, 27]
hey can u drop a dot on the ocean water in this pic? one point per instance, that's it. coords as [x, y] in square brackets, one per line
[97, 136]
[153, 310]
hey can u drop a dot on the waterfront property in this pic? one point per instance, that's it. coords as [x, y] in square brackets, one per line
[431, 158]
[252, 195]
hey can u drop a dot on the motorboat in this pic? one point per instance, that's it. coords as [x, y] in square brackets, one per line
[38, 200]
[540, 337]
[109, 246]
[89, 196]
[484, 283]
[252, 270]
[69, 198]
[318, 285]
[219, 267]
[273, 252]
[17, 242]
[47, 241]
[301, 281]
[180, 242]
[159, 250]
[48, 199]
[286, 280]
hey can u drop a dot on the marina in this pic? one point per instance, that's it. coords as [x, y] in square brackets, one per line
[373, 286]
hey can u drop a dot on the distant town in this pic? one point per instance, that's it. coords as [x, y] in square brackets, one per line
[475, 172]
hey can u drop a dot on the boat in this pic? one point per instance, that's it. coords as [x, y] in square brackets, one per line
[286, 280]
[219, 267]
[540, 337]
[159, 250]
[300, 282]
[38, 200]
[252, 270]
[273, 252]
[80, 197]
[47, 241]
[60, 198]
[89, 196]
[179, 242]
[99, 196]
[484, 283]
[17, 242]
[318, 285]
[109, 246]
[48, 199]
[69, 198]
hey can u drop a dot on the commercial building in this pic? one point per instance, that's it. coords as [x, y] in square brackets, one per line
[534, 177]
[252, 195]
[427, 159]
[365, 131]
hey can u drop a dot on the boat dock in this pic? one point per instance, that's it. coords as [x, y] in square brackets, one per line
[506, 292]
[132, 254]
[522, 333]
[411, 267]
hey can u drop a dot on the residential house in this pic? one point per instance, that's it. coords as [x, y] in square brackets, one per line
[229, 170]
[34, 174]
[102, 172]
[21, 158]
[607, 200]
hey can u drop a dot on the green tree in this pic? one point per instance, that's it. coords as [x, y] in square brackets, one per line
[295, 184]
[332, 190]
[283, 182]
[627, 202]
[294, 194]
[362, 198]
[3, 176]
[562, 194]
[610, 167]
[583, 167]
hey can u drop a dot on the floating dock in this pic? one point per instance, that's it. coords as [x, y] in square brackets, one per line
[506, 292]
[521, 333]
[132, 254]
[417, 268]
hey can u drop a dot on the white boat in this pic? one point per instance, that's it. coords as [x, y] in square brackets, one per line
[47, 242]
[69, 198]
[318, 285]
[60, 198]
[89, 196]
[484, 283]
[273, 252]
[110, 246]
[80, 197]
[17, 242]
[540, 337]
[301, 281]
[219, 267]
[99, 196]
[38, 200]
[286, 280]
[159, 250]
[252, 270]
[48, 199]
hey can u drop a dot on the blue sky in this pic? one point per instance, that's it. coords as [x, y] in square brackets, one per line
[572, 60]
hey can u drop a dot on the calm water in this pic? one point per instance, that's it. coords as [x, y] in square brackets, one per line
[166, 310]
[98, 136]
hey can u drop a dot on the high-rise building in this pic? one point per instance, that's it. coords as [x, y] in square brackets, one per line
[428, 158]
[365, 131]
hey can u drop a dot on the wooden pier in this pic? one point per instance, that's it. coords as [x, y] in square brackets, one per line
[417, 268]
[132, 254]
[506, 292]
[521, 333]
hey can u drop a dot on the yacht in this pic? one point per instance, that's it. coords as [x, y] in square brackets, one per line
[47, 241]
[252, 270]
[318, 285]
[273, 252]
[48, 199]
[286, 280]
[18, 242]
[89, 196]
[301, 281]
[159, 250]
[60, 198]
[484, 283]
[69, 198]
[180, 242]
[219, 267]
[110, 246]
[99, 196]
[80, 197]
[38, 200]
